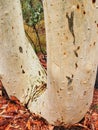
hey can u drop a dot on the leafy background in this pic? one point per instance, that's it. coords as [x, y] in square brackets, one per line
[34, 24]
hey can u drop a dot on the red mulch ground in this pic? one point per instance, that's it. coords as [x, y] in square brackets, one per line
[15, 116]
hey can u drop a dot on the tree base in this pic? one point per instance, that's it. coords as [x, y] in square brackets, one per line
[13, 115]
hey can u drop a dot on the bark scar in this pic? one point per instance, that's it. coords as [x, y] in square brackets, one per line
[71, 24]
[35, 93]
[70, 79]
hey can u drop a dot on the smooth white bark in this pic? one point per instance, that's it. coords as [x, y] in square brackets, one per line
[72, 47]
[20, 70]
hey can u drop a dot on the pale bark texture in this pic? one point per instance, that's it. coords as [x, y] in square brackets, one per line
[20, 69]
[72, 49]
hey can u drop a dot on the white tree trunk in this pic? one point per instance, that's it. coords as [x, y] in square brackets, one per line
[20, 70]
[72, 47]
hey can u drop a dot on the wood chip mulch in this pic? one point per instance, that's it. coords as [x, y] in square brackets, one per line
[15, 116]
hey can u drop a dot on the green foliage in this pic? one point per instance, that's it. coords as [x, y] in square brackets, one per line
[33, 16]
[32, 13]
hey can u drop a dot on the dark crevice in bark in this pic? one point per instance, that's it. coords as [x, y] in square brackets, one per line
[3, 91]
[70, 79]
[96, 83]
[71, 24]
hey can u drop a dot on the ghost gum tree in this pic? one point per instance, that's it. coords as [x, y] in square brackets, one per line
[72, 48]
[20, 69]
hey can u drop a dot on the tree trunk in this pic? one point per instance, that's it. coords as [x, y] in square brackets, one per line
[20, 69]
[72, 47]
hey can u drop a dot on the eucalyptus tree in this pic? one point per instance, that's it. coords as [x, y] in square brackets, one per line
[72, 47]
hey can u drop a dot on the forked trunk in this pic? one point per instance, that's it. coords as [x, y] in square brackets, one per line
[72, 47]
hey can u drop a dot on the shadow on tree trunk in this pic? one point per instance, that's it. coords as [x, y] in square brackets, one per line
[96, 83]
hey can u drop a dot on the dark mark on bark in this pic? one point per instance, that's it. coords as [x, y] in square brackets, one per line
[12, 27]
[70, 79]
[20, 49]
[23, 71]
[94, 43]
[93, 1]
[71, 24]
[78, 47]
[75, 52]
[57, 91]
[78, 7]
[85, 93]
[76, 65]
[72, 75]
[21, 66]
[84, 12]
[39, 73]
